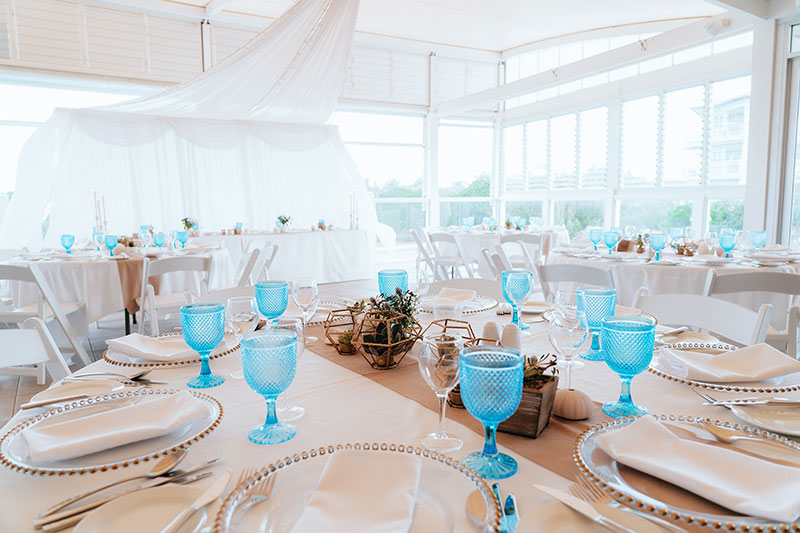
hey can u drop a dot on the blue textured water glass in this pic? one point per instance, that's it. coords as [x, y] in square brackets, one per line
[269, 364]
[111, 241]
[657, 243]
[610, 238]
[595, 235]
[272, 298]
[182, 237]
[757, 239]
[159, 239]
[491, 388]
[239, 225]
[598, 304]
[67, 241]
[516, 286]
[628, 345]
[492, 223]
[727, 241]
[391, 280]
[675, 233]
[203, 327]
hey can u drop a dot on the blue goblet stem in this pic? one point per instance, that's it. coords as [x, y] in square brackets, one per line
[595, 247]
[111, 251]
[272, 412]
[657, 255]
[727, 254]
[625, 391]
[490, 444]
[595, 341]
[515, 315]
[205, 368]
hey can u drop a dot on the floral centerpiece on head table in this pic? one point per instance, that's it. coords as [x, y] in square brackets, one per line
[282, 222]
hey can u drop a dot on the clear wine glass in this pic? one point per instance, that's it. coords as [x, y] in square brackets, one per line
[286, 410]
[568, 332]
[306, 296]
[144, 235]
[438, 364]
[516, 286]
[241, 315]
[566, 300]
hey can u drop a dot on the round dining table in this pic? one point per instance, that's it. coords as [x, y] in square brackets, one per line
[347, 401]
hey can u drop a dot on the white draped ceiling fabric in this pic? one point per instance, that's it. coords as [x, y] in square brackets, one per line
[245, 141]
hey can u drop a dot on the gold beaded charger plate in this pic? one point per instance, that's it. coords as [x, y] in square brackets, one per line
[478, 304]
[228, 345]
[787, 383]
[323, 310]
[620, 311]
[443, 480]
[667, 501]
[12, 447]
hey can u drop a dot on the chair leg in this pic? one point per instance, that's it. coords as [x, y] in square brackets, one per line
[40, 374]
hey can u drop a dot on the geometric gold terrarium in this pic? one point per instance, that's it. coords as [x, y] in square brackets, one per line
[384, 337]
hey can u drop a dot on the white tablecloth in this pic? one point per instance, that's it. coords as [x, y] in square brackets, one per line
[326, 256]
[97, 284]
[344, 407]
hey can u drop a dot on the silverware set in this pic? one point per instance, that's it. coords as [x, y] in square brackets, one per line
[748, 400]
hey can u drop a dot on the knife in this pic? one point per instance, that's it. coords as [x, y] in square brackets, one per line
[43, 403]
[584, 508]
[755, 401]
[212, 493]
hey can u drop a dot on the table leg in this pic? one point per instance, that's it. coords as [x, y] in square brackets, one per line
[127, 322]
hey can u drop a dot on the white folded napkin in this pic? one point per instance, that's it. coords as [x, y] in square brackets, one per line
[770, 256]
[450, 296]
[775, 248]
[738, 482]
[753, 363]
[146, 419]
[151, 349]
[363, 491]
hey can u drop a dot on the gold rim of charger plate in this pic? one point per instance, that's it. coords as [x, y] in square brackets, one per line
[166, 364]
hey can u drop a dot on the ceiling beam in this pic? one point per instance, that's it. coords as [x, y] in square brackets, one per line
[215, 6]
[752, 8]
[665, 43]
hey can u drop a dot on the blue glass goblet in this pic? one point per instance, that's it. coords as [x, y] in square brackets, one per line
[516, 286]
[628, 343]
[595, 235]
[391, 280]
[159, 239]
[610, 238]
[272, 298]
[727, 241]
[491, 389]
[757, 239]
[239, 225]
[182, 237]
[203, 327]
[657, 243]
[111, 241]
[598, 304]
[67, 241]
[269, 364]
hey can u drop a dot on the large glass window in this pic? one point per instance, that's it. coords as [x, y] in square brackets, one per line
[575, 216]
[640, 141]
[523, 209]
[683, 136]
[453, 213]
[725, 214]
[594, 147]
[465, 160]
[654, 215]
[729, 111]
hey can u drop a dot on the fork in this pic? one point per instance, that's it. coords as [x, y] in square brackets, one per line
[593, 495]
[260, 491]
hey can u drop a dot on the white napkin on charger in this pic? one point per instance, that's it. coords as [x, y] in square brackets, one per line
[769, 256]
[775, 248]
[731, 479]
[450, 296]
[363, 491]
[143, 420]
[151, 349]
[752, 363]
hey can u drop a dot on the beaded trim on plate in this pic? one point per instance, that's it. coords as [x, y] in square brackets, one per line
[662, 511]
[10, 463]
[229, 504]
[715, 386]
[166, 364]
[487, 307]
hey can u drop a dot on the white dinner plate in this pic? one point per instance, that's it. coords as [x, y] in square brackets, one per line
[92, 387]
[78, 256]
[783, 419]
[707, 260]
[535, 308]
[146, 510]
[556, 516]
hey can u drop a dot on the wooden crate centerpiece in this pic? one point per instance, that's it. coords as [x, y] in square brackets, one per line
[538, 393]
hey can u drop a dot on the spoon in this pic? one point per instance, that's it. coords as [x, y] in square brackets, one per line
[159, 469]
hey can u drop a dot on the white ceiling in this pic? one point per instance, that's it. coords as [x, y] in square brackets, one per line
[495, 25]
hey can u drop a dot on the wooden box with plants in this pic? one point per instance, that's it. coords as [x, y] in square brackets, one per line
[388, 329]
[538, 393]
[340, 326]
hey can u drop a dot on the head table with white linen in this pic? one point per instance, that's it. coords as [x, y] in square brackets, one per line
[347, 401]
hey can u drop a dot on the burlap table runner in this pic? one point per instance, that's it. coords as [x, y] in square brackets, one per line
[130, 279]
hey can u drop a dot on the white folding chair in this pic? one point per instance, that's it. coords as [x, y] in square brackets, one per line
[424, 254]
[448, 262]
[9, 253]
[222, 295]
[152, 304]
[554, 273]
[484, 287]
[522, 249]
[487, 257]
[247, 270]
[30, 351]
[70, 316]
[735, 323]
[787, 283]
[264, 263]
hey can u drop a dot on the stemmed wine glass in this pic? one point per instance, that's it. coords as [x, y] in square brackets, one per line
[111, 241]
[67, 241]
[306, 296]
[182, 237]
[269, 364]
[286, 411]
[610, 238]
[438, 364]
[597, 303]
[567, 332]
[272, 298]
[757, 239]
[628, 343]
[159, 239]
[595, 235]
[203, 327]
[144, 235]
[516, 286]
[491, 388]
[391, 280]
[241, 315]
[657, 243]
[675, 233]
[98, 238]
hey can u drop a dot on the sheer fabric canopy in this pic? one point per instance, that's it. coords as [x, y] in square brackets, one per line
[245, 141]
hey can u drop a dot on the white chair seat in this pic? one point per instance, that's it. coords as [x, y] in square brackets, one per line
[171, 300]
[66, 307]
